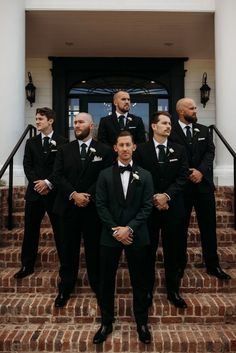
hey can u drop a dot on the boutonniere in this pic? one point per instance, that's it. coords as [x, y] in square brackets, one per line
[135, 176]
[53, 143]
[52, 146]
[170, 150]
[129, 118]
[91, 151]
[196, 130]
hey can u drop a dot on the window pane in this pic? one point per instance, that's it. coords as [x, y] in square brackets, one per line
[141, 110]
[163, 104]
[98, 110]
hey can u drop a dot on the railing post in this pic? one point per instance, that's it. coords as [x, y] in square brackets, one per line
[234, 200]
[10, 194]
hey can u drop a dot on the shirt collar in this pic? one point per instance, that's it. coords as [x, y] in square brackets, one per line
[123, 165]
[157, 143]
[119, 114]
[87, 143]
[183, 125]
[49, 135]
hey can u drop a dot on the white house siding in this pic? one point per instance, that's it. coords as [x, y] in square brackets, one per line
[193, 82]
[42, 79]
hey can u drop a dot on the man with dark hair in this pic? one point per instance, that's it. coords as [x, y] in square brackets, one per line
[124, 201]
[111, 125]
[199, 191]
[76, 169]
[39, 156]
[167, 163]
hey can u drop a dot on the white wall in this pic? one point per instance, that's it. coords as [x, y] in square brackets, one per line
[193, 82]
[42, 79]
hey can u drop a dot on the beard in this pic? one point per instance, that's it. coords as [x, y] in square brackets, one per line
[191, 119]
[83, 134]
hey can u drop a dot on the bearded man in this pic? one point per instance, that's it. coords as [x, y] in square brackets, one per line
[199, 191]
[76, 170]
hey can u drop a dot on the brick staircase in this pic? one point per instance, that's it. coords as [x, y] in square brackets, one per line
[30, 323]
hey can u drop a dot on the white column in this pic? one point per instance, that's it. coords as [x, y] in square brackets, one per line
[225, 58]
[12, 79]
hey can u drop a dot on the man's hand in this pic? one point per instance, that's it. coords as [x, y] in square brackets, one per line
[123, 234]
[160, 201]
[195, 176]
[81, 199]
[41, 187]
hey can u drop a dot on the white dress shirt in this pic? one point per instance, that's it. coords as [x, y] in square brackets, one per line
[125, 177]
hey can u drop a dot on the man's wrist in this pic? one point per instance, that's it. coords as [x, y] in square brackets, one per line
[168, 197]
[130, 230]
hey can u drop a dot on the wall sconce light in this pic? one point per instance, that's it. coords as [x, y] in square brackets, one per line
[30, 90]
[205, 90]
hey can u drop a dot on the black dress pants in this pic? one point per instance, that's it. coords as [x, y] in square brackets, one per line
[34, 213]
[136, 258]
[205, 208]
[77, 223]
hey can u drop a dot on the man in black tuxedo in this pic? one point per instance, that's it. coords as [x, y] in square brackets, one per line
[124, 201]
[39, 156]
[167, 163]
[76, 169]
[199, 191]
[110, 126]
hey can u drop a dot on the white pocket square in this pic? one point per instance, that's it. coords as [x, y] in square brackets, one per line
[201, 138]
[97, 159]
[173, 160]
[132, 127]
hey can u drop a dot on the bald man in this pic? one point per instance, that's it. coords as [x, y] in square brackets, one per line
[110, 126]
[76, 171]
[199, 191]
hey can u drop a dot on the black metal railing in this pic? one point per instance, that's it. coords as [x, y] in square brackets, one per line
[31, 130]
[233, 154]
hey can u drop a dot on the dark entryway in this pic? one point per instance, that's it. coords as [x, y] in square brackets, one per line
[88, 84]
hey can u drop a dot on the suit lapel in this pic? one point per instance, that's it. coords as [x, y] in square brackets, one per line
[76, 154]
[117, 185]
[114, 121]
[90, 155]
[132, 186]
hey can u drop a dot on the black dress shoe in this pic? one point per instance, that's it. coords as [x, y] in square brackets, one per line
[144, 334]
[24, 271]
[101, 335]
[176, 299]
[218, 272]
[61, 300]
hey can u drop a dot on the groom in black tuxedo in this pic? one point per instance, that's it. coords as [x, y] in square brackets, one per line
[199, 191]
[124, 201]
[167, 163]
[76, 169]
[110, 126]
[39, 156]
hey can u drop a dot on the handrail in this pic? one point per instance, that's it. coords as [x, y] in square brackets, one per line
[9, 163]
[233, 154]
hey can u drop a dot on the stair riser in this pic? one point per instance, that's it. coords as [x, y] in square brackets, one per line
[46, 282]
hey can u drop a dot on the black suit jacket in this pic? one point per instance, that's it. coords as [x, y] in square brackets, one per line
[172, 177]
[109, 129]
[38, 165]
[71, 176]
[200, 154]
[114, 210]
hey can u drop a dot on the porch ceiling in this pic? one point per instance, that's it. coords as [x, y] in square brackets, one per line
[120, 34]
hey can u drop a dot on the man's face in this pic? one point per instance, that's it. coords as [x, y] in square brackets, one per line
[122, 102]
[189, 112]
[43, 124]
[82, 126]
[162, 128]
[125, 148]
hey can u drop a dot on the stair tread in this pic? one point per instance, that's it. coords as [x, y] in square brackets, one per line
[78, 338]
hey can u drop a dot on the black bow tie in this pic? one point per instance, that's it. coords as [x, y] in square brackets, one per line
[123, 169]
